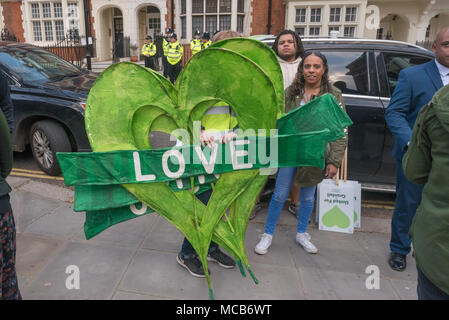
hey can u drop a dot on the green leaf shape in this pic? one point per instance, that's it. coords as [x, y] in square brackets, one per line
[336, 217]
[128, 100]
[264, 57]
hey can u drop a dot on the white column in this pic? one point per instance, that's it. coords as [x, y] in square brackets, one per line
[234, 15]
[325, 20]
[189, 20]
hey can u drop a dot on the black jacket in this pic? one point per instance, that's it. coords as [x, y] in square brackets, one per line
[5, 102]
[5, 156]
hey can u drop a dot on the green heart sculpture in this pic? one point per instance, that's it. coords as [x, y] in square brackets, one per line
[336, 217]
[128, 101]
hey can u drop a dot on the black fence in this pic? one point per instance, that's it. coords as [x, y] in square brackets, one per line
[72, 48]
[5, 35]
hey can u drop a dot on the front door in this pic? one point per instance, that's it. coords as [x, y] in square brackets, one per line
[118, 37]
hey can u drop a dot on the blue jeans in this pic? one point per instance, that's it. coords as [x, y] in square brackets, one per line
[187, 251]
[427, 290]
[408, 198]
[307, 197]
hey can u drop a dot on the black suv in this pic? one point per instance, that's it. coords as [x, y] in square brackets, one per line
[366, 71]
[49, 95]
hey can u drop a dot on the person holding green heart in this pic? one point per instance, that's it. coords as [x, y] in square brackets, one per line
[218, 124]
[312, 80]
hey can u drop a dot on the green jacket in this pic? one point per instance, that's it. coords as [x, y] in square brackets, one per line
[5, 156]
[427, 162]
[310, 176]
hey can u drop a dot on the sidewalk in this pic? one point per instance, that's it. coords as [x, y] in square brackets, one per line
[137, 259]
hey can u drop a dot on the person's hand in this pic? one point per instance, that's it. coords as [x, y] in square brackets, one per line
[206, 138]
[228, 137]
[331, 171]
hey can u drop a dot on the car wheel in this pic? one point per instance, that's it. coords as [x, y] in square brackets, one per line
[46, 138]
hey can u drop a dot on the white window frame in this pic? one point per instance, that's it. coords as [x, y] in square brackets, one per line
[57, 7]
[236, 17]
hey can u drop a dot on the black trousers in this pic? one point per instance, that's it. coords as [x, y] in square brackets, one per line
[173, 71]
[149, 63]
[165, 65]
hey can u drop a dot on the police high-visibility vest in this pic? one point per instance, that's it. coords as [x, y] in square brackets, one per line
[165, 46]
[206, 44]
[174, 52]
[219, 119]
[195, 46]
[149, 48]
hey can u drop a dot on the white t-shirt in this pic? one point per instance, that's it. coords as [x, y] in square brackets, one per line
[289, 70]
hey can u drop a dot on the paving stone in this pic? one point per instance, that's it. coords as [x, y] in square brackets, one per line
[405, 289]
[34, 252]
[377, 247]
[326, 284]
[100, 269]
[129, 233]
[164, 236]
[157, 273]
[123, 295]
[29, 207]
[62, 222]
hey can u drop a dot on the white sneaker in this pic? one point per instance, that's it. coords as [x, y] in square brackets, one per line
[304, 241]
[264, 243]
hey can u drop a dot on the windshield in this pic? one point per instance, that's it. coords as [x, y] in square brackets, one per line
[36, 64]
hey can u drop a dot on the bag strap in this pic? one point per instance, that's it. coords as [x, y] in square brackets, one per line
[342, 172]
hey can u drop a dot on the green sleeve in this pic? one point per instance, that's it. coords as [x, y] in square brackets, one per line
[417, 161]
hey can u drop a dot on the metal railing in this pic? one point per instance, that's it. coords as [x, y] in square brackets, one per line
[425, 44]
[6, 36]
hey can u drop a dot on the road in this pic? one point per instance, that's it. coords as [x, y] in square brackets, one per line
[374, 203]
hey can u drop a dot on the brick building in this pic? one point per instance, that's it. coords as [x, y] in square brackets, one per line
[119, 24]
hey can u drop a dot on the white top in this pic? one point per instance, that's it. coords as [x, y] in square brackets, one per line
[289, 70]
[444, 73]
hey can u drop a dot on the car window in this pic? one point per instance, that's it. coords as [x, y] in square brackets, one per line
[35, 64]
[395, 62]
[349, 71]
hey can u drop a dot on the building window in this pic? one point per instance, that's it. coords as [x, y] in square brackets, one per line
[314, 31]
[225, 6]
[37, 31]
[349, 32]
[47, 20]
[240, 19]
[183, 28]
[241, 6]
[301, 15]
[212, 15]
[315, 15]
[300, 31]
[380, 33]
[183, 6]
[335, 15]
[225, 23]
[334, 28]
[351, 14]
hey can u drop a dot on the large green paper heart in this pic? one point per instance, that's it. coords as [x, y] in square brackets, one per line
[127, 101]
[336, 217]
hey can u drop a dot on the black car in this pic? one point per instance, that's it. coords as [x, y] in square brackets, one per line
[366, 71]
[49, 95]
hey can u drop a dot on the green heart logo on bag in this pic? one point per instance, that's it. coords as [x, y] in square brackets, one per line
[336, 217]
[128, 101]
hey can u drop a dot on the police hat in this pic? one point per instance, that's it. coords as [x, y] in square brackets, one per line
[173, 35]
[148, 38]
[197, 32]
[206, 35]
[169, 30]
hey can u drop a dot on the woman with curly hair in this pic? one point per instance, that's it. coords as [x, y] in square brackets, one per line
[312, 80]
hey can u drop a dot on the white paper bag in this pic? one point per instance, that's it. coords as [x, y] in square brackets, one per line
[336, 206]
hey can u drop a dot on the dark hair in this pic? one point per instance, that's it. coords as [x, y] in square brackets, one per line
[297, 87]
[299, 46]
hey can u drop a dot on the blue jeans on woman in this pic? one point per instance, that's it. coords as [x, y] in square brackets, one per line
[307, 197]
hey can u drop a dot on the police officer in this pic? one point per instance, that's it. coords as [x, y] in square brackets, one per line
[195, 44]
[205, 40]
[149, 50]
[174, 57]
[165, 43]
